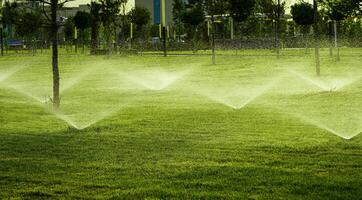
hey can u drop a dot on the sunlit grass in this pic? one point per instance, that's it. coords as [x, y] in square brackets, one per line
[178, 127]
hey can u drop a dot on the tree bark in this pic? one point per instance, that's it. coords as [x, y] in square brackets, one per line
[94, 38]
[213, 39]
[277, 25]
[336, 27]
[330, 39]
[55, 69]
[2, 41]
[316, 38]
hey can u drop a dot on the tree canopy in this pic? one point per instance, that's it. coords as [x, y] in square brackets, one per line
[140, 16]
[82, 20]
[303, 13]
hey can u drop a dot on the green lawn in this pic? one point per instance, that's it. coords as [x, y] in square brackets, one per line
[149, 127]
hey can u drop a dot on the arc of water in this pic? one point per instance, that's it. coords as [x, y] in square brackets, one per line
[162, 79]
[42, 103]
[335, 85]
[29, 95]
[77, 79]
[320, 125]
[11, 72]
[81, 126]
[310, 80]
[244, 103]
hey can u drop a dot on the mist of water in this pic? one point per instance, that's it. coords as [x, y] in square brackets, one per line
[236, 97]
[154, 80]
[29, 95]
[10, 72]
[80, 122]
[333, 84]
[68, 84]
[344, 134]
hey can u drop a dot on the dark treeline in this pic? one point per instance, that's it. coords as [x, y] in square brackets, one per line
[106, 27]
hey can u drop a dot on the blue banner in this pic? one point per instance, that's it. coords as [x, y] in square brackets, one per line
[156, 11]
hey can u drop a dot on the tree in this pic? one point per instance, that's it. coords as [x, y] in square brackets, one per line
[274, 10]
[240, 10]
[140, 16]
[1, 29]
[316, 36]
[306, 14]
[82, 22]
[193, 17]
[178, 8]
[94, 24]
[108, 13]
[303, 15]
[339, 11]
[28, 26]
[124, 25]
[214, 8]
[69, 31]
[10, 16]
[54, 24]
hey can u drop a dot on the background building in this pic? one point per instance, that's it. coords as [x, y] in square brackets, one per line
[154, 6]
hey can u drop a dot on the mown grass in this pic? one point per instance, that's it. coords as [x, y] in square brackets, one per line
[176, 143]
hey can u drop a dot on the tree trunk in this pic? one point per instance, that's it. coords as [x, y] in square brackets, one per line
[54, 38]
[316, 38]
[213, 39]
[277, 25]
[82, 39]
[2, 41]
[94, 38]
[330, 39]
[336, 27]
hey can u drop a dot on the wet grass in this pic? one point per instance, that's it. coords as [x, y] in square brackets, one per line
[175, 143]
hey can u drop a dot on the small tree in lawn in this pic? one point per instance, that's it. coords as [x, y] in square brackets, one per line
[69, 32]
[178, 8]
[109, 12]
[82, 22]
[240, 10]
[274, 10]
[10, 15]
[28, 27]
[303, 15]
[193, 17]
[140, 16]
[95, 20]
[214, 8]
[51, 17]
[339, 11]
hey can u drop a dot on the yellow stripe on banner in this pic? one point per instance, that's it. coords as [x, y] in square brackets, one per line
[163, 8]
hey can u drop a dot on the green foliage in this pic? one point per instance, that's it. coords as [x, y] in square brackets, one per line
[240, 10]
[302, 13]
[109, 11]
[193, 16]
[82, 20]
[178, 8]
[339, 10]
[215, 7]
[29, 24]
[270, 8]
[10, 13]
[69, 29]
[140, 16]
